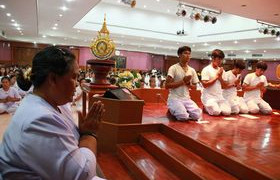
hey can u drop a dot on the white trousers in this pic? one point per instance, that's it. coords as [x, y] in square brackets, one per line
[259, 105]
[184, 109]
[237, 105]
[216, 107]
[8, 108]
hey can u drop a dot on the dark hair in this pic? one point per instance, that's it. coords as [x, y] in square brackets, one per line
[182, 49]
[49, 60]
[112, 80]
[80, 80]
[239, 65]
[5, 77]
[217, 53]
[88, 80]
[262, 65]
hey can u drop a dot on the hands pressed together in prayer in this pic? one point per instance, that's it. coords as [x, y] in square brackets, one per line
[91, 121]
[220, 73]
[260, 85]
[187, 79]
[237, 83]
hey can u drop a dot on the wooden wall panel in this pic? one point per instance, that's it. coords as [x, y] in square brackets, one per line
[76, 52]
[24, 55]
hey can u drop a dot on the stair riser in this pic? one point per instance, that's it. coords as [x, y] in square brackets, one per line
[169, 162]
[137, 173]
[235, 168]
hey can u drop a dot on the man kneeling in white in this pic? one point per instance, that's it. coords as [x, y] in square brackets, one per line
[233, 83]
[254, 86]
[212, 81]
[180, 78]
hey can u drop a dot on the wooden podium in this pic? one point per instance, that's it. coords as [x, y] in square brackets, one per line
[121, 111]
[121, 122]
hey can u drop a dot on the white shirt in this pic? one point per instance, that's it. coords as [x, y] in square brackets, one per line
[78, 92]
[12, 92]
[252, 80]
[177, 73]
[42, 143]
[230, 78]
[215, 91]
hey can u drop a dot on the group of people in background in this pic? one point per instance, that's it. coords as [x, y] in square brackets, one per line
[219, 92]
[43, 121]
[218, 88]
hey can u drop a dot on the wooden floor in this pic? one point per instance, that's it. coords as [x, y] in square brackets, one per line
[253, 140]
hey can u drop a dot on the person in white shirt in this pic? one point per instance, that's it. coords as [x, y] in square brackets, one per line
[254, 86]
[179, 79]
[42, 141]
[212, 81]
[233, 83]
[77, 99]
[8, 97]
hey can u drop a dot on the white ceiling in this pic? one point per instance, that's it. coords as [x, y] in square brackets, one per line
[148, 29]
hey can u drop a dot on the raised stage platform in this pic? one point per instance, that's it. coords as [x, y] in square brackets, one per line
[234, 147]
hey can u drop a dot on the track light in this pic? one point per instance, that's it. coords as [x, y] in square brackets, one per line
[195, 16]
[269, 29]
[198, 13]
[181, 12]
[132, 3]
[265, 31]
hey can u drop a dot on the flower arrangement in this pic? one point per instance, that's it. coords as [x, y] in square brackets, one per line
[129, 79]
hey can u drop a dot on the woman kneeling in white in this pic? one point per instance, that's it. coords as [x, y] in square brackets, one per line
[8, 97]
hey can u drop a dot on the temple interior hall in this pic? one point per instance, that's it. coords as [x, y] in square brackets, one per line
[125, 50]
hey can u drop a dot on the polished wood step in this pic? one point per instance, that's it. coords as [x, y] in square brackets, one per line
[113, 168]
[181, 161]
[225, 161]
[143, 165]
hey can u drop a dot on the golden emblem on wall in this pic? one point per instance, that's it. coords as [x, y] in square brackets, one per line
[103, 47]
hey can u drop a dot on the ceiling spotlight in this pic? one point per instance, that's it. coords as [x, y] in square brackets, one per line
[132, 3]
[206, 18]
[214, 20]
[269, 28]
[198, 13]
[181, 12]
[195, 16]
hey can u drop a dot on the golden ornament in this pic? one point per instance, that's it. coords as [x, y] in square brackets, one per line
[103, 47]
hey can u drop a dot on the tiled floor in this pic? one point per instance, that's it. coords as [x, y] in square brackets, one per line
[4, 122]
